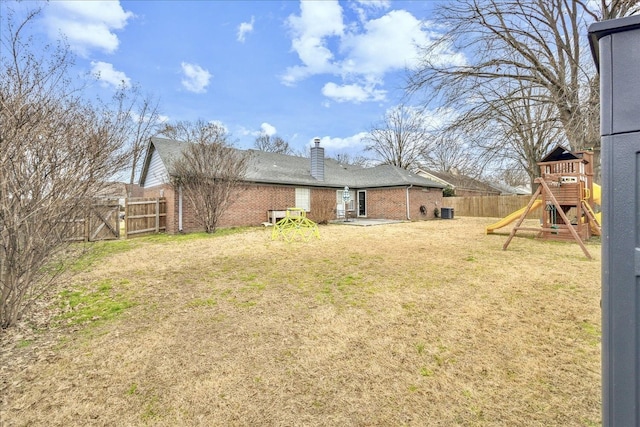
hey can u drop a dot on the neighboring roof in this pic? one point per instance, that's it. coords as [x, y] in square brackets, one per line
[275, 168]
[460, 182]
[507, 189]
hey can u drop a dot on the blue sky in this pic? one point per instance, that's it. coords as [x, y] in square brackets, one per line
[298, 70]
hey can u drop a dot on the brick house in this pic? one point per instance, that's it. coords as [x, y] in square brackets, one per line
[275, 182]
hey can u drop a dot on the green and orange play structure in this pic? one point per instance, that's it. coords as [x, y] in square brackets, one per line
[567, 197]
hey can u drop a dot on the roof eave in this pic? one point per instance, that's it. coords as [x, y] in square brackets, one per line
[145, 164]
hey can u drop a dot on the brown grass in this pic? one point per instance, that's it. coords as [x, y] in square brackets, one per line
[421, 324]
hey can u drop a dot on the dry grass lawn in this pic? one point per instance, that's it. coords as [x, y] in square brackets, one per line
[417, 324]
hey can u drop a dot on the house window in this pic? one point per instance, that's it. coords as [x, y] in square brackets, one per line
[303, 198]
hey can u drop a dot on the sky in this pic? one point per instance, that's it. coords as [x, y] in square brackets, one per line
[293, 69]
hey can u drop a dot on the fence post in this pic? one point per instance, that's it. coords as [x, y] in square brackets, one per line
[157, 214]
[117, 203]
[126, 218]
[87, 223]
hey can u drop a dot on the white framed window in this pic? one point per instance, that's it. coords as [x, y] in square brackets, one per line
[303, 199]
[351, 204]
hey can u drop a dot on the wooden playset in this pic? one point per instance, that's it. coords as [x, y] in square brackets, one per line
[565, 189]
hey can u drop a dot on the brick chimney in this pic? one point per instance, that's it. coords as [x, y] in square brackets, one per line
[317, 160]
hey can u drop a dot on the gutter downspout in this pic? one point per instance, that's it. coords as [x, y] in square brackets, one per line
[408, 210]
[180, 208]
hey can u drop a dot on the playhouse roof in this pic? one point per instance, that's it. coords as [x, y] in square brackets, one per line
[560, 153]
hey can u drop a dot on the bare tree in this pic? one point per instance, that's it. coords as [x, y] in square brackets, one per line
[56, 152]
[209, 170]
[511, 131]
[197, 131]
[273, 144]
[401, 139]
[527, 134]
[347, 159]
[141, 120]
[450, 152]
[539, 43]
[144, 122]
[510, 173]
[324, 207]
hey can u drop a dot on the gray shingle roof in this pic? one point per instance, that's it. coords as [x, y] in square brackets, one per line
[464, 182]
[275, 168]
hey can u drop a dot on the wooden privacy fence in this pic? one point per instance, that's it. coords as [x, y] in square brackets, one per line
[100, 221]
[145, 216]
[489, 206]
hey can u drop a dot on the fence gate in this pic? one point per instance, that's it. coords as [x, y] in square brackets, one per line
[145, 216]
[104, 220]
[100, 221]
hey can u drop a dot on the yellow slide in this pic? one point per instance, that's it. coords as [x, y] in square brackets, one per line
[597, 194]
[597, 199]
[511, 217]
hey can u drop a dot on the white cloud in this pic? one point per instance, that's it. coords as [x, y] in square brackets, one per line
[364, 7]
[374, 4]
[243, 131]
[220, 125]
[267, 129]
[245, 28]
[295, 74]
[355, 141]
[196, 79]
[431, 120]
[137, 118]
[388, 43]
[317, 21]
[360, 53]
[88, 25]
[108, 75]
[352, 93]
[439, 117]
